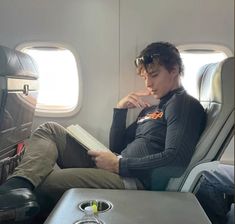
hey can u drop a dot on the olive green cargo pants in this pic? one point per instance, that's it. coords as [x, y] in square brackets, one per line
[50, 144]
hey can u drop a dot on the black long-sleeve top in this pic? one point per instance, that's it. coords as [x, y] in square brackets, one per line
[163, 135]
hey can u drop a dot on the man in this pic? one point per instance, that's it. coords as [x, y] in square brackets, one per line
[163, 136]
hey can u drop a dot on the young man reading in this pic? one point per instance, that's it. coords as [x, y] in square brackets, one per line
[163, 135]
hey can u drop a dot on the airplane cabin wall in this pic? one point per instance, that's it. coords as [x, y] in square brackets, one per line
[108, 35]
[91, 29]
[179, 22]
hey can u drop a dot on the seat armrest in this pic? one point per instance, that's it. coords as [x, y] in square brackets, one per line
[195, 175]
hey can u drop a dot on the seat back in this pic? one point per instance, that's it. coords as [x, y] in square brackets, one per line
[216, 94]
[18, 94]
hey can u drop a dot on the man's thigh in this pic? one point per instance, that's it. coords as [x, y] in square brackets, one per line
[61, 180]
[214, 199]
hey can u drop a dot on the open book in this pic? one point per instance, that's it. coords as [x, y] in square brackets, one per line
[85, 138]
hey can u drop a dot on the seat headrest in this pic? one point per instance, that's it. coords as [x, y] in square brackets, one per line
[215, 85]
[15, 63]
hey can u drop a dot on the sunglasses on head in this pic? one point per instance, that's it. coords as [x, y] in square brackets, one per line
[145, 59]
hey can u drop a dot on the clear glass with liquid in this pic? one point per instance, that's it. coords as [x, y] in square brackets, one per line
[89, 217]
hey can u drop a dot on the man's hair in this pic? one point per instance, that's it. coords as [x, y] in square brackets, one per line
[167, 55]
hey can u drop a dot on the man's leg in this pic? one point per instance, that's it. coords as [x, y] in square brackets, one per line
[59, 181]
[48, 144]
[216, 193]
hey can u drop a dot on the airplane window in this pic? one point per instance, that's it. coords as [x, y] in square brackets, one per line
[193, 60]
[58, 79]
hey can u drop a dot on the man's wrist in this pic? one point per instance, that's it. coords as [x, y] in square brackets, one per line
[117, 165]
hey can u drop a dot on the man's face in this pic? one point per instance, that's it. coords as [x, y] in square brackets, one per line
[158, 80]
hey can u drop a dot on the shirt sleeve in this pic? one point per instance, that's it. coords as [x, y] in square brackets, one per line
[119, 135]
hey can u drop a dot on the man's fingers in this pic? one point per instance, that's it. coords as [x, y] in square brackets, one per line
[93, 152]
[134, 102]
[142, 93]
[138, 101]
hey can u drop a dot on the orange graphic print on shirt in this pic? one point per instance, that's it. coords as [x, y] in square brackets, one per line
[154, 116]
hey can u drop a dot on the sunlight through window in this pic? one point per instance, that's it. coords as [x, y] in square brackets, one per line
[58, 78]
[192, 63]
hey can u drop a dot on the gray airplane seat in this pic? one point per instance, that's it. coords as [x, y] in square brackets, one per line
[216, 94]
[18, 94]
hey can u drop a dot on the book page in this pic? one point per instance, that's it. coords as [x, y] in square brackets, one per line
[85, 138]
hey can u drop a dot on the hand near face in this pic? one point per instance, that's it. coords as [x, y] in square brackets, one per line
[105, 160]
[134, 100]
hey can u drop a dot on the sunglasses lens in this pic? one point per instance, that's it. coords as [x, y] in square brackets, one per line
[138, 61]
[145, 60]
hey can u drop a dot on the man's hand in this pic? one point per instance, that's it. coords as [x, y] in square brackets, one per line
[105, 160]
[134, 100]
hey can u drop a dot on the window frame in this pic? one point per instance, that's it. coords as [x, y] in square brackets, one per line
[50, 111]
[204, 48]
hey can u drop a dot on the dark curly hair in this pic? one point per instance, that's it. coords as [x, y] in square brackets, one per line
[167, 55]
